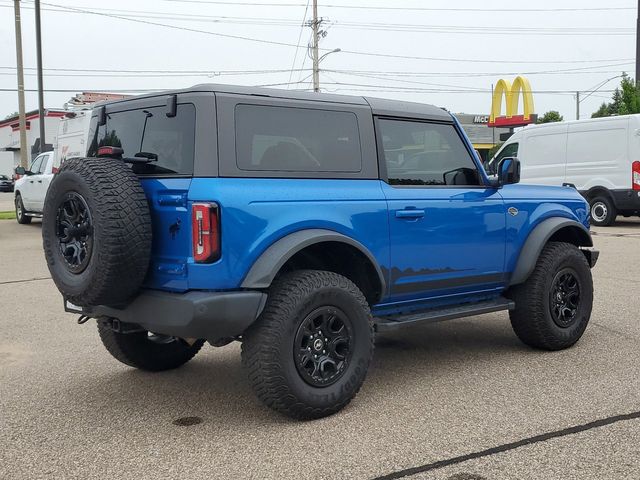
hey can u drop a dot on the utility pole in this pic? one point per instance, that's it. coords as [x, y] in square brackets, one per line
[578, 105]
[21, 113]
[314, 46]
[39, 66]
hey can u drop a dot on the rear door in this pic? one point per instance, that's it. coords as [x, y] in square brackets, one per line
[447, 229]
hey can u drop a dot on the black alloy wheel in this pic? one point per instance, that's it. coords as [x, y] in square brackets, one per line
[74, 231]
[564, 297]
[322, 346]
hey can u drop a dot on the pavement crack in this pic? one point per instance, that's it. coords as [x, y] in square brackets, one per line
[25, 280]
[510, 446]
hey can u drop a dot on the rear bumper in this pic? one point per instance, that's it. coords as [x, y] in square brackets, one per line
[196, 314]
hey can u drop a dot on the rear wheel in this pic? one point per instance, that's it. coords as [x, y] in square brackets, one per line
[308, 353]
[603, 211]
[146, 350]
[20, 211]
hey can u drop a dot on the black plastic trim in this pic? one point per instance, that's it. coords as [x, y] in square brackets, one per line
[536, 241]
[267, 266]
[195, 314]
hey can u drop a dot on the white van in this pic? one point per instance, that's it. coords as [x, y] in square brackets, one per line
[600, 157]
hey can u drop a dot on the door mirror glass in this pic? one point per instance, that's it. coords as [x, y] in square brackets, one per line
[20, 171]
[509, 171]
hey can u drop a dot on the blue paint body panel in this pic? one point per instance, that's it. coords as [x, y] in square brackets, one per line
[465, 238]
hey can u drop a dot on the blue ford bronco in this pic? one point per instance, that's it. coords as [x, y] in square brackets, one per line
[300, 225]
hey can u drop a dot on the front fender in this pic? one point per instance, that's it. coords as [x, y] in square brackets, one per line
[536, 241]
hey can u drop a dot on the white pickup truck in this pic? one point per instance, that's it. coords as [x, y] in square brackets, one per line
[31, 189]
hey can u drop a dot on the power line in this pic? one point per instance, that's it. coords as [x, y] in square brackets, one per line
[392, 27]
[295, 56]
[353, 52]
[428, 9]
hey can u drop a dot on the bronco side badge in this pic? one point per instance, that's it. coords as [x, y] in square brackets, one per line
[513, 211]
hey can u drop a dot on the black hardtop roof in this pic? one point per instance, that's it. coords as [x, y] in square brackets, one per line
[379, 106]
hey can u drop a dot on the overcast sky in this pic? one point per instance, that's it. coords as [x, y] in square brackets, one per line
[462, 47]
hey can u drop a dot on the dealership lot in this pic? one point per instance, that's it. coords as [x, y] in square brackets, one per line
[434, 393]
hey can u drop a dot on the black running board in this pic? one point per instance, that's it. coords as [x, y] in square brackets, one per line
[394, 322]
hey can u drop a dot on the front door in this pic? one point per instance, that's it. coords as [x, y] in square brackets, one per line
[447, 229]
[42, 181]
[27, 190]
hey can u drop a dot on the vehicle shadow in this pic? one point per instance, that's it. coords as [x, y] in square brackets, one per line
[214, 386]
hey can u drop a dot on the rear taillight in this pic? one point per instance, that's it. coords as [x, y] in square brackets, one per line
[635, 175]
[55, 170]
[205, 227]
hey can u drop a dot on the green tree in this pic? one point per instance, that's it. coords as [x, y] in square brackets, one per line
[551, 116]
[624, 101]
[14, 114]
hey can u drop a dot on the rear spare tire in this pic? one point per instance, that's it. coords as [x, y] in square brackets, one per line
[96, 231]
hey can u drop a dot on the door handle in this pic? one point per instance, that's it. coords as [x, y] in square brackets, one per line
[39, 181]
[410, 213]
[30, 181]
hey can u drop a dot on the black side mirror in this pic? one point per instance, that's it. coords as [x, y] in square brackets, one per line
[21, 171]
[509, 171]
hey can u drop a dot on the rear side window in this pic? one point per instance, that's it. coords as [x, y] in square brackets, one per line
[285, 139]
[420, 153]
[151, 131]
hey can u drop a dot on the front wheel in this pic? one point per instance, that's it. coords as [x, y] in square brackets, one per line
[21, 215]
[146, 350]
[553, 306]
[308, 353]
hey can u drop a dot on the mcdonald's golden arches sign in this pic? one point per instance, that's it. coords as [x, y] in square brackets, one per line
[511, 93]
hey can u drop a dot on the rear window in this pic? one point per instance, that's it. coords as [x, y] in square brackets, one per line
[285, 139]
[150, 130]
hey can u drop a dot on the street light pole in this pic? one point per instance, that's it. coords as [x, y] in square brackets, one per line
[638, 46]
[39, 66]
[21, 112]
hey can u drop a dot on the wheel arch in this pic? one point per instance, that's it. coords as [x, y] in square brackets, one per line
[555, 229]
[319, 248]
[598, 191]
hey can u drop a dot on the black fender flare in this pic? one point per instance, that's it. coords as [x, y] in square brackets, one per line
[269, 263]
[536, 241]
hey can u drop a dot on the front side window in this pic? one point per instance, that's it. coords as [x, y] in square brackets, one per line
[420, 153]
[169, 142]
[285, 139]
[36, 164]
[510, 150]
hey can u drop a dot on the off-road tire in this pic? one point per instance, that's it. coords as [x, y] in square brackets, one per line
[599, 204]
[20, 212]
[139, 351]
[267, 348]
[532, 320]
[121, 231]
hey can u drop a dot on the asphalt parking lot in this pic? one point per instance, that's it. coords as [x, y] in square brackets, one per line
[459, 400]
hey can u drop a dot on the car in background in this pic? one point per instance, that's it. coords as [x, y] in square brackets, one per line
[600, 157]
[6, 184]
[31, 188]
